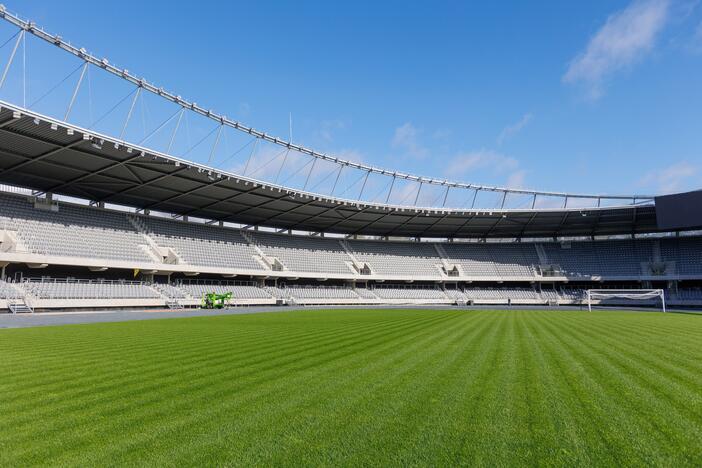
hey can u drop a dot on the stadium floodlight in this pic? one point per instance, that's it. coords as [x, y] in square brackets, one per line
[630, 294]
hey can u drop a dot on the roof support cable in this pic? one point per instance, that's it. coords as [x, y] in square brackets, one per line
[24, 70]
[157, 129]
[248, 161]
[363, 187]
[297, 171]
[280, 169]
[216, 143]
[112, 109]
[36, 101]
[75, 92]
[475, 196]
[533, 202]
[199, 142]
[351, 186]
[175, 130]
[12, 57]
[264, 165]
[380, 193]
[392, 184]
[448, 187]
[419, 190]
[309, 174]
[565, 202]
[235, 153]
[504, 199]
[129, 114]
[336, 181]
[322, 180]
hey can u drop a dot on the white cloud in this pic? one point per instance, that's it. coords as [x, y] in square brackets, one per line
[674, 178]
[516, 179]
[511, 130]
[327, 129]
[624, 39]
[495, 162]
[405, 138]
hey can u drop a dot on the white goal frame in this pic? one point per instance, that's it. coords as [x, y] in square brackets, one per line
[633, 294]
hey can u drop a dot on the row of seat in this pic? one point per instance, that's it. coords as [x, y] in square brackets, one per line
[97, 289]
[86, 232]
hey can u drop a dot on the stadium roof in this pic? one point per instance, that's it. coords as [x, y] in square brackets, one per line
[52, 156]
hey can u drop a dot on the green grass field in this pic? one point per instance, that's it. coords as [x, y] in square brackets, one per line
[376, 387]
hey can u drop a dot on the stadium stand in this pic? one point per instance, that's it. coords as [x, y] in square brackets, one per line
[88, 289]
[8, 291]
[686, 253]
[86, 234]
[400, 293]
[497, 260]
[398, 258]
[202, 245]
[321, 292]
[72, 231]
[310, 254]
[240, 291]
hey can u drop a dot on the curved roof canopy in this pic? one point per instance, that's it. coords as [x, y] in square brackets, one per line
[52, 156]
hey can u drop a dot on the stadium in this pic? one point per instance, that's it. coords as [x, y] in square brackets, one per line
[404, 306]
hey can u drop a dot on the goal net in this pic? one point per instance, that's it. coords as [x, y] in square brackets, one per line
[596, 296]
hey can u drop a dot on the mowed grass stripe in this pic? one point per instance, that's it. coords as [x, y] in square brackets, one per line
[404, 414]
[390, 387]
[132, 368]
[631, 415]
[145, 399]
[331, 393]
[651, 401]
[255, 399]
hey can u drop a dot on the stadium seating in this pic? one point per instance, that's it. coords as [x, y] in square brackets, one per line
[239, 291]
[508, 293]
[8, 291]
[73, 231]
[493, 260]
[409, 293]
[398, 258]
[685, 252]
[88, 289]
[305, 254]
[83, 232]
[320, 292]
[198, 244]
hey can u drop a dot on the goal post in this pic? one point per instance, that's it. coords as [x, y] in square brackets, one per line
[631, 294]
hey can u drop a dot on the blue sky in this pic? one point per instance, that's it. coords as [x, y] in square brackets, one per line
[596, 96]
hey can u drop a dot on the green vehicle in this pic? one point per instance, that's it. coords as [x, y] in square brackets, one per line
[215, 301]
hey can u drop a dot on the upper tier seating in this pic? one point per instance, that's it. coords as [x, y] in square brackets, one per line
[87, 289]
[606, 258]
[197, 244]
[498, 260]
[84, 232]
[398, 258]
[305, 254]
[73, 231]
[686, 252]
